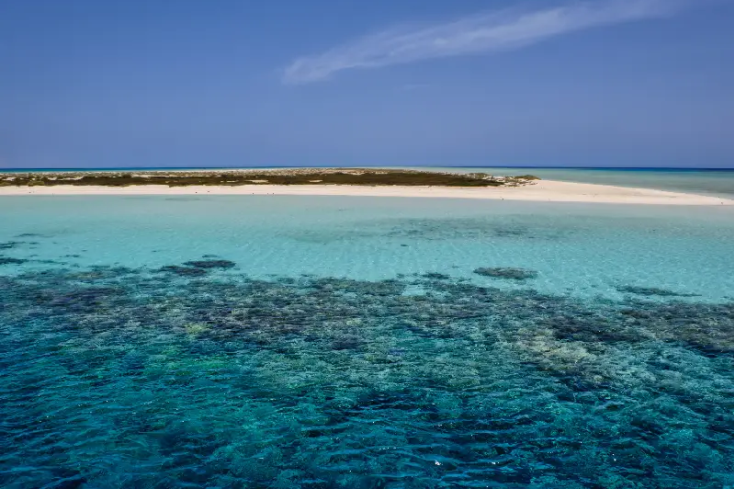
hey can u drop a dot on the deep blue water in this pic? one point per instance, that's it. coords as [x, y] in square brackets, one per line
[290, 342]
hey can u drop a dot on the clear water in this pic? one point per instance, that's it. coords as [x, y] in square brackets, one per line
[329, 342]
[707, 182]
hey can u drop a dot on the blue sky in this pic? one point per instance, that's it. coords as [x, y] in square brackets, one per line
[86, 83]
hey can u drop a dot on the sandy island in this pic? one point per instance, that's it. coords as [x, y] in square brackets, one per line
[540, 191]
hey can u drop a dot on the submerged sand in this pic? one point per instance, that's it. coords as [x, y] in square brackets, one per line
[541, 191]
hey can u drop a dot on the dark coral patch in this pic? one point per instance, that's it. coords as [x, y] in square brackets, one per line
[9, 245]
[507, 273]
[197, 268]
[4, 260]
[211, 264]
[183, 271]
[435, 276]
[653, 292]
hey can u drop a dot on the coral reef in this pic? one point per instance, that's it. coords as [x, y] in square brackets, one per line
[119, 377]
[652, 291]
[507, 273]
[4, 260]
[9, 245]
[197, 268]
[183, 271]
[436, 276]
[210, 264]
[436, 229]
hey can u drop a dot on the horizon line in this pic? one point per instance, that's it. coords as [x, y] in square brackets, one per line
[534, 167]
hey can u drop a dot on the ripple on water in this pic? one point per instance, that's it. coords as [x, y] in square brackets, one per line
[124, 377]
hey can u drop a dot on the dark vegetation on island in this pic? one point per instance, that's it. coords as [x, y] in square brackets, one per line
[232, 178]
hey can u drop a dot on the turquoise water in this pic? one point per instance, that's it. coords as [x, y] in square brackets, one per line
[325, 342]
[707, 182]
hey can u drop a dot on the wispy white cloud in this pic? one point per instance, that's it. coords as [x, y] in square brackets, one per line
[481, 33]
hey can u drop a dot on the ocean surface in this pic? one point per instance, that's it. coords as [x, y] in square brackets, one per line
[694, 181]
[335, 342]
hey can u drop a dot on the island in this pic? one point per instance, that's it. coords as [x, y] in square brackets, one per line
[291, 176]
[346, 182]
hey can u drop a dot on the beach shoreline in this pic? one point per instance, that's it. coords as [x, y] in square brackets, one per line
[540, 191]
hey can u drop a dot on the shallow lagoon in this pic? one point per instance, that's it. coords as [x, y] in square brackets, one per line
[352, 344]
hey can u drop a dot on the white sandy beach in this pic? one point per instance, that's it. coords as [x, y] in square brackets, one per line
[541, 191]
